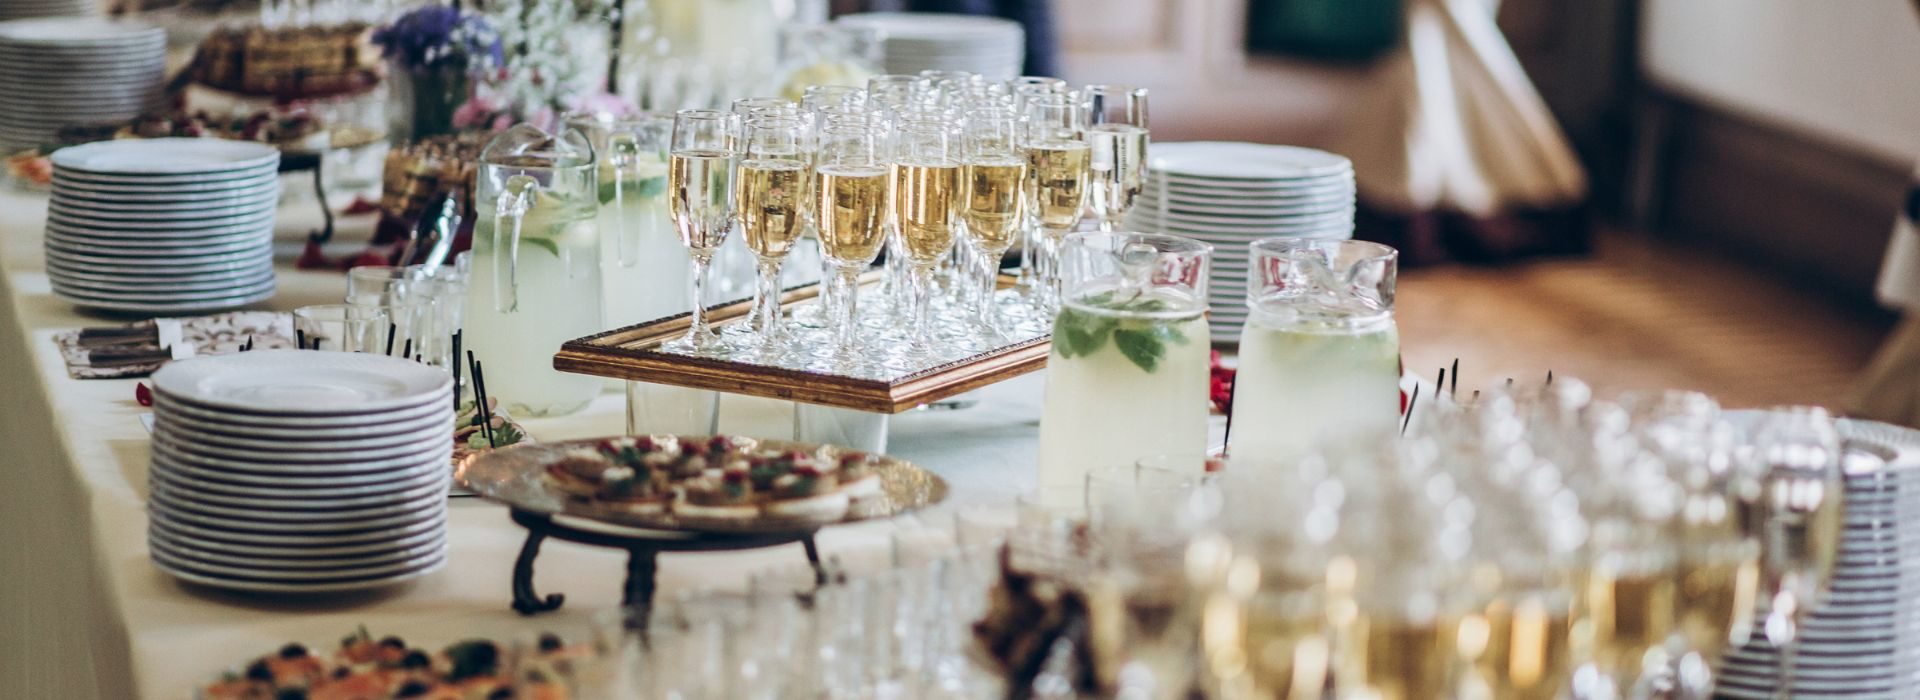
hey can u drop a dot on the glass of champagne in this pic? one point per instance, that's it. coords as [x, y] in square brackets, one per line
[850, 182]
[1127, 373]
[769, 196]
[896, 91]
[992, 205]
[1057, 176]
[1320, 356]
[700, 180]
[926, 193]
[1117, 133]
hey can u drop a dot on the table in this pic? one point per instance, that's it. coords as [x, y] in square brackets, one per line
[84, 614]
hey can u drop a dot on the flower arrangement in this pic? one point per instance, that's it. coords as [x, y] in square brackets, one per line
[441, 37]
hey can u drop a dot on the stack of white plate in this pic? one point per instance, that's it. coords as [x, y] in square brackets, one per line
[300, 471]
[23, 9]
[163, 225]
[1232, 194]
[915, 41]
[1863, 642]
[56, 72]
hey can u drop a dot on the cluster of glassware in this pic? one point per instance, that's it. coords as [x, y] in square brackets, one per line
[412, 312]
[902, 631]
[1128, 375]
[945, 171]
[1538, 543]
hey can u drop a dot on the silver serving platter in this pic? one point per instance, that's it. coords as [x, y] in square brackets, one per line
[516, 476]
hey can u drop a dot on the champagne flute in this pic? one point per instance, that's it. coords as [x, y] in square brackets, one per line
[1057, 175]
[896, 91]
[1117, 135]
[992, 206]
[817, 97]
[850, 184]
[926, 188]
[770, 199]
[700, 178]
[1801, 511]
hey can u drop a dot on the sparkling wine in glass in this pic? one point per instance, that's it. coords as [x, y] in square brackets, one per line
[850, 184]
[700, 181]
[772, 189]
[1117, 136]
[926, 193]
[992, 206]
[1058, 174]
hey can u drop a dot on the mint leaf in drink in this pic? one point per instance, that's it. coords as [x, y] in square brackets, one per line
[651, 187]
[1080, 334]
[634, 189]
[542, 243]
[1142, 347]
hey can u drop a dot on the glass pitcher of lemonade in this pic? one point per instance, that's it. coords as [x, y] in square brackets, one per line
[643, 268]
[1320, 356]
[1127, 372]
[535, 281]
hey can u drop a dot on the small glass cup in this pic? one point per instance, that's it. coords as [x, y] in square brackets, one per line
[341, 327]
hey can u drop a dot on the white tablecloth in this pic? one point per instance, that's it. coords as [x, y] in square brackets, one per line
[84, 614]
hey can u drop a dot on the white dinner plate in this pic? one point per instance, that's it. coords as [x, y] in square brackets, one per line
[266, 478]
[426, 523]
[170, 183]
[211, 190]
[190, 553]
[349, 426]
[180, 296]
[167, 199]
[304, 382]
[249, 521]
[191, 480]
[170, 308]
[1245, 161]
[238, 221]
[209, 214]
[206, 264]
[425, 533]
[68, 272]
[167, 156]
[227, 436]
[187, 442]
[297, 509]
[274, 583]
[171, 448]
[113, 251]
[213, 285]
[1229, 194]
[261, 238]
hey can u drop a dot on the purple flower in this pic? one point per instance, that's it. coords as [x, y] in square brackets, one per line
[440, 36]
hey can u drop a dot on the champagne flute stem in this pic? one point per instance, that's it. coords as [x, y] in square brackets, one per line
[844, 299]
[766, 299]
[920, 276]
[984, 285]
[697, 332]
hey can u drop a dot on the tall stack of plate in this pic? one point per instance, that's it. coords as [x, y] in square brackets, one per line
[1863, 642]
[163, 225]
[23, 9]
[1231, 194]
[915, 41]
[63, 71]
[300, 471]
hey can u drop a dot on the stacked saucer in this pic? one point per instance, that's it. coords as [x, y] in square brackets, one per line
[916, 41]
[163, 226]
[63, 71]
[1864, 640]
[299, 471]
[23, 9]
[1231, 194]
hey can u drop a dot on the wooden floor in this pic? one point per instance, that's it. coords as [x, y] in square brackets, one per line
[1639, 314]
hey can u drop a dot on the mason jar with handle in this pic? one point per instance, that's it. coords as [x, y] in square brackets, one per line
[535, 282]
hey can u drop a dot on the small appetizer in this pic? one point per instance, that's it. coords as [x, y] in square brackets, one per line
[617, 480]
[808, 493]
[727, 497]
[366, 669]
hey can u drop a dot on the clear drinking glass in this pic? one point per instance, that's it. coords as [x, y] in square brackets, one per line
[926, 191]
[642, 276]
[1802, 502]
[770, 197]
[821, 96]
[896, 91]
[1127, 375]
[535, 282]
[850, 181]
[1320, 356]
[1058, 171]
[992, 204]
[700, 182]
[341, 327]
[1117, 134]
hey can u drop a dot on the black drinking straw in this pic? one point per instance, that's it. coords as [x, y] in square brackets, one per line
[300, 337]
[1235, 384]
[1549, 377]
[456, 370]
[1440, 385]
[407, 351]
[1412, 400]
[486, 414]
[1454, 391]
[389, 339]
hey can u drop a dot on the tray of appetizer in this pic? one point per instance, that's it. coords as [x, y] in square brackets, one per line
[702, 484]
[366, 668]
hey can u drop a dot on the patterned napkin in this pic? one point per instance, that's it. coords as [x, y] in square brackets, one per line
[137, 349]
